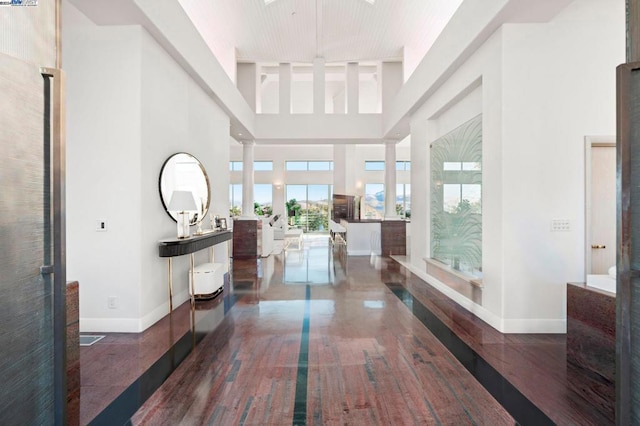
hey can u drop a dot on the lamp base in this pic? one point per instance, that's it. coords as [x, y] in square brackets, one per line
[183, 224]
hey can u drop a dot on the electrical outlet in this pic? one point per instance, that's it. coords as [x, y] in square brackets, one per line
[560, 225]
[112, 302]
[101, 225]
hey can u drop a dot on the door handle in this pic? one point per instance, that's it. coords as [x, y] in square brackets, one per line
[598, 246]
[47, 269]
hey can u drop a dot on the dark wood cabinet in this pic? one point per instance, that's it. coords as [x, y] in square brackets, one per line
[247, 238]
[343, 207]
[394, 237]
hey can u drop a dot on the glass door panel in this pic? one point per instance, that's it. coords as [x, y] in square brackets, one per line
[308, 207]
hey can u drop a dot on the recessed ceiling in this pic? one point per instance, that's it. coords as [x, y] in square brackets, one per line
[336, 30]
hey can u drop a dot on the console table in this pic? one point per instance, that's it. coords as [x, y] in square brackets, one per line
[172, 247]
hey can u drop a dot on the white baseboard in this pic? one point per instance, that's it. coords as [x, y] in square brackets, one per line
[534, 326]
[503, 325]
[131, 325]
[109, 325]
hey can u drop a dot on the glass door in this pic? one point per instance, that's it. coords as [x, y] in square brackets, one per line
[308, 207]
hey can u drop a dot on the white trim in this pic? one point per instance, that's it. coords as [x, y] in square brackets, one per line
[529, 326]
[589, 142]
[131, 325]
[109, 325]
[533, 325]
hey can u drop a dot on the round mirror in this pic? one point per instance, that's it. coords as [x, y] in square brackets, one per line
[183, 172]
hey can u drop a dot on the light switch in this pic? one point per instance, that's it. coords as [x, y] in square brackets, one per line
[560, 225]
[101, 225]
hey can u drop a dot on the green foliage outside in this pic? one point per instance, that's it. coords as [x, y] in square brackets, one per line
[262, 209]
[311, 219]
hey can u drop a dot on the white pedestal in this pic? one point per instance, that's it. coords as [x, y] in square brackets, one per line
[208, 280]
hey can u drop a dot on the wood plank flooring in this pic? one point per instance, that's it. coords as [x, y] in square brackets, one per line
[369, 361]
[345, 343]
[536, 364]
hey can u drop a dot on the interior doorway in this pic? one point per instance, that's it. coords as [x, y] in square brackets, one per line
[600, 223]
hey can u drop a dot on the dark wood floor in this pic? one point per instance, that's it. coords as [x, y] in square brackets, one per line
[316, 337]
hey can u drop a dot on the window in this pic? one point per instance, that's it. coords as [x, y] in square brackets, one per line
[320, 165]
[262, 196]
[235, 199]
[296, 166]
[456, 198]
[258, 166]
[465, 165]
[263, 199]
[373, 166]
[262, 166]
[308, 206]
[403, 200]
[403, 165]
[373, 201]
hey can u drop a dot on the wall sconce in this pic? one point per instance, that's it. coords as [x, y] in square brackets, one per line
[278, 185]
[182, 202]
[358, 184]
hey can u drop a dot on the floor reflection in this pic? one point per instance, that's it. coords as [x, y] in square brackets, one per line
[310, 264]
[119, 373]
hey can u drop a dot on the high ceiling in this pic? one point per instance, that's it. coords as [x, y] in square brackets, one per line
[337, 30]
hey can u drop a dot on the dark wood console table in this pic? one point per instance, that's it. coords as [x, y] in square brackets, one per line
[172, 247]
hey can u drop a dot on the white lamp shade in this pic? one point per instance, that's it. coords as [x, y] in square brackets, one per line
[182, 201]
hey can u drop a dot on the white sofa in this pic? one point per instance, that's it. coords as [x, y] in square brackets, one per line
[267, 238]
[279, 227]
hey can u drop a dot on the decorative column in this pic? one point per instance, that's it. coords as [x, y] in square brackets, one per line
[419, 230]
[247, 180]
[390, 181]
[247, 77]
[353, 87]
[318, 86]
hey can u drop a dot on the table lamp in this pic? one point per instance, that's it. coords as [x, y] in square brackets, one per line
[182, 202]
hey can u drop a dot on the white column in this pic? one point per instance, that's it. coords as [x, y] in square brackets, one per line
[419, 239]
[379, 82]
[247, 83]
[284, 73]
[390, 82]
[318, 86]
[247, 180]
[339, 169]
[390, 181]
[353, 88]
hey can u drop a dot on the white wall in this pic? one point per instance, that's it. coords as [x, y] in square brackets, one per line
[176, 116]
[542, 88]
[129, 106]
[103, 130]
[569, 66]
[216, 38]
